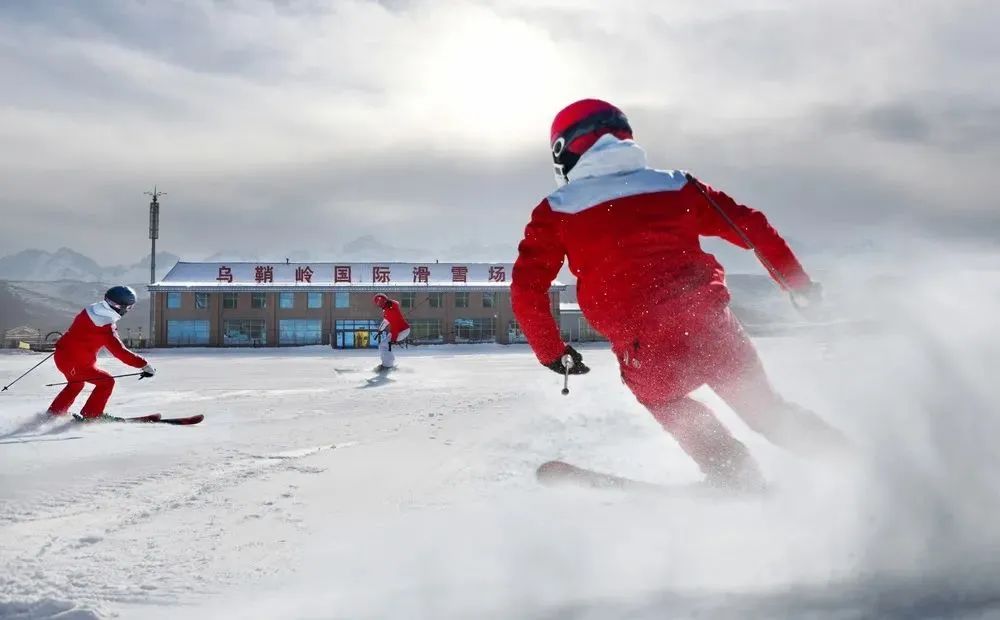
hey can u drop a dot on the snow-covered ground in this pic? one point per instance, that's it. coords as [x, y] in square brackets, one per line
[312, 492]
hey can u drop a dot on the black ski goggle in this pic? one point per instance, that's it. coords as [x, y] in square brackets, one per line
[119, 308]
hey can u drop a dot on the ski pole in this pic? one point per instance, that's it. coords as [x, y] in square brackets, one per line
[91, 380]
[567, 362]
[746, 239]
[26, 374]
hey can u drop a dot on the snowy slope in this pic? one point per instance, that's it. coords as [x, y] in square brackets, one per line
[310, 493]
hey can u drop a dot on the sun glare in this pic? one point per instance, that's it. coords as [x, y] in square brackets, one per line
[493, 80]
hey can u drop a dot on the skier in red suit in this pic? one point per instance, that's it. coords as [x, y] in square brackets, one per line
[394, 329]
[631, 234]
[76, 353]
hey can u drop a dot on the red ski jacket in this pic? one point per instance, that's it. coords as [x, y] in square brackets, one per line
[631, 234]
[91, 330]
[392, 318]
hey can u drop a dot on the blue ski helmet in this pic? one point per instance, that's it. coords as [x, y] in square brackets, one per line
[120, 298]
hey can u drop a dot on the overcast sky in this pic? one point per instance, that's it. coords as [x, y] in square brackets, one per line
[277, 126]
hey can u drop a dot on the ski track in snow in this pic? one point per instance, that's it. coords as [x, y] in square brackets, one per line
[310, 491]
[136, 505]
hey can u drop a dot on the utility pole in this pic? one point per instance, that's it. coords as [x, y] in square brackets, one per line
[154, 234]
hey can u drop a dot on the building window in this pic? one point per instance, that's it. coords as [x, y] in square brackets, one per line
[243, 332]
[173, 301]
[426, 330]
[315, 300]
[435, 300]
[229, 301]
[187, 333]
[461, 300]
[342, 299]
[489, 300]
[201, 301]
[351, 334]
[286, 301]
[514, 333]
[258, 300]
[475, 330]
[407, 300]
[300, 331]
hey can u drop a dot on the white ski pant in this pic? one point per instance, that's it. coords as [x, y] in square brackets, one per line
[385, 347]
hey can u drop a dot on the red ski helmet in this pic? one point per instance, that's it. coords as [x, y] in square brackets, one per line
[578, 126]
[380, 300]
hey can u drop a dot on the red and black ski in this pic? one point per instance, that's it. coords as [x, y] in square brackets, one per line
[193, 419]
[153, 418]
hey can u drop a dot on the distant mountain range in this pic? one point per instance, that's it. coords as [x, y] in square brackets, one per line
[46, 289]
[50, 306]
[65, 264]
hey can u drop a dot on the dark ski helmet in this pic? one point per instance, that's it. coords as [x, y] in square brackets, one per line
[120, 298]
[578, 126]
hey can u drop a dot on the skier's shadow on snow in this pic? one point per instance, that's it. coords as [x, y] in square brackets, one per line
[376, 381]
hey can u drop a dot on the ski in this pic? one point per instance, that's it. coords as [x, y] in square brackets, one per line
[563, 474]
[154, 418]
[186, 421]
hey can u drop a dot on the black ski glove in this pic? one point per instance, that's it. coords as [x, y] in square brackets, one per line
[578, 367]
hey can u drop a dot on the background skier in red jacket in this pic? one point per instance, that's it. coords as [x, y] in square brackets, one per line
[393, 329]
[631, 234]
[76, 353]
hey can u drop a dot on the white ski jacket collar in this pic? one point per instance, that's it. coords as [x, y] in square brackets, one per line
[609, 155]
[102, 314]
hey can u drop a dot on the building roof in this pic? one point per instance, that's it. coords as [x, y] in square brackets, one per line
[236, 276]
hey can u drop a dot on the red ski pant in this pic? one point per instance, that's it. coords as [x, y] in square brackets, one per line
[661, 369]
[78, 372]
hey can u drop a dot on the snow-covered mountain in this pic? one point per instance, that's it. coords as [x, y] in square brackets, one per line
[66, 264]
[51, 306]
[63, 264]
[46, 289]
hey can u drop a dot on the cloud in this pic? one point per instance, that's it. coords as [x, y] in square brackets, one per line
[276, 123]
